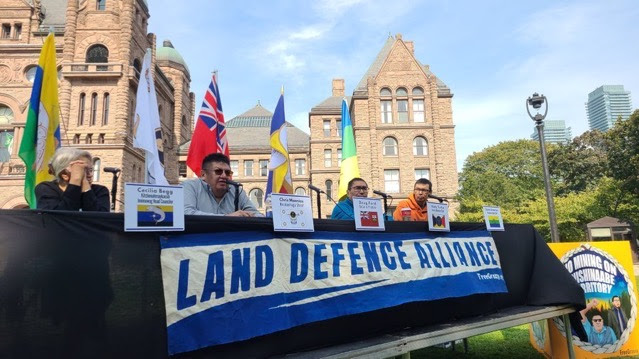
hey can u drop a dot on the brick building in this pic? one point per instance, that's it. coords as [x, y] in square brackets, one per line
[403, 125]
[100, 47]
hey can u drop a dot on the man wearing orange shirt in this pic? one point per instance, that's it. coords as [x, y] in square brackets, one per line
[414, 207]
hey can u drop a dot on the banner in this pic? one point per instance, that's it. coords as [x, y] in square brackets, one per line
[225, 287]
[605, 271]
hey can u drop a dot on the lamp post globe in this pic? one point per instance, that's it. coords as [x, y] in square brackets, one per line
[536, 101]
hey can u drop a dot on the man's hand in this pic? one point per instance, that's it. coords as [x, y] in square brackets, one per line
[593, 303]
[241, 214]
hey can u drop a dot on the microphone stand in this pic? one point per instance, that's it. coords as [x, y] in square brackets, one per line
[114, 189]
[237, 198]
[319, 203]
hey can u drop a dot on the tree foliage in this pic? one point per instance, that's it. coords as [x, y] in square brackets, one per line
[622, 143]
[580, 164]
[507, 175]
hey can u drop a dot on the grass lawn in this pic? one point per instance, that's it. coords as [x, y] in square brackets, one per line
[509, 343]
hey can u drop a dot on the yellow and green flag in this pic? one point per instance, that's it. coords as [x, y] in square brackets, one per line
[349, 168]
[42, 131]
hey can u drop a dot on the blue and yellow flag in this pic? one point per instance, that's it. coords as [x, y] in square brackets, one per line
[279, 175]
[349, 168]
[42, 131]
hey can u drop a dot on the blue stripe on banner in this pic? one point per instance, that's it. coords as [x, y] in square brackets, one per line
[266, 314]
[194, 240]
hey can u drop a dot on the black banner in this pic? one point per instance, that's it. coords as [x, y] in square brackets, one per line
[74, 284]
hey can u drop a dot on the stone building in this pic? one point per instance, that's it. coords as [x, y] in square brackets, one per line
[250, 150]
[403, 125]
[100, 46]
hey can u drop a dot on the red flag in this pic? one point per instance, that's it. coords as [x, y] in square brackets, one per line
[209, 135]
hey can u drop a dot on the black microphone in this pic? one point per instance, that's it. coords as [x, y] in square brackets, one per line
[113, 170]
[316, 189]
[380, 193]
[440, 199]
[233, 183]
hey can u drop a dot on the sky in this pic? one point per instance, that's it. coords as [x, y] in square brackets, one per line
[493, 55]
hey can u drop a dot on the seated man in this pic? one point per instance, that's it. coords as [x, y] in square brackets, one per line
[414, 207]
[210, 194]
[598, 333]
[357, 187]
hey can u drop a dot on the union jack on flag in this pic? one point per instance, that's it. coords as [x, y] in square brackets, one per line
[209, 135]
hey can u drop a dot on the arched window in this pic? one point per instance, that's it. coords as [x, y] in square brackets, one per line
[101, 138]
[418, 104]
[94, 108]
[105, 109]
[184, 123]
[418, 91]
[97, 54]
[134, 177]
[97, 163]
[257, 196]
[390, 146]
[89, 139]
[329, 188]
[76, 139]
[138, 68]
[300, 191]
[100, 5]
[402, 105]
[386, 105]
[420, 146]
[81, 109]
[6, 115]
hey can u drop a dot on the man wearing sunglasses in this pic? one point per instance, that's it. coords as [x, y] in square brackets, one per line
[598, 333]
[357, 187]
[414, 207]
[210, 195]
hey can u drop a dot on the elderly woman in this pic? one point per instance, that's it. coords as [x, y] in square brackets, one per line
[72, 190]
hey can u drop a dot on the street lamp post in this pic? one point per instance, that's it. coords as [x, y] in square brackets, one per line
[536, 101]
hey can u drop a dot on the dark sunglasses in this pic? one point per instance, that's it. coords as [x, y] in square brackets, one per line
[219, 171]
[597, 320]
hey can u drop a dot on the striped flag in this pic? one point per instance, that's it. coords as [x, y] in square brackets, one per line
[209, 135]
[279, 174]
[147, 132]
[349, 168]
[42, 131]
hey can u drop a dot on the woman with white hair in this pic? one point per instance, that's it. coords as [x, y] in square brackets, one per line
[72, 190]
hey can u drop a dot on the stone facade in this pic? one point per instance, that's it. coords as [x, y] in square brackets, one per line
[416, 126]
[97, 93]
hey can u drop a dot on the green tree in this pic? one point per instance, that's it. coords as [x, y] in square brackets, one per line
[580, 164]
[507, 175]
[622, 143]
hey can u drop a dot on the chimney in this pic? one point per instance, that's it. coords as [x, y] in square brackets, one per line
[410, 46]
[338, 87]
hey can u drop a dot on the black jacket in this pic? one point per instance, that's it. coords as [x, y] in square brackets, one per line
[50, 196]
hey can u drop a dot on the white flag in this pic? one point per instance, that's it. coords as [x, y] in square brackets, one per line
[147, 130]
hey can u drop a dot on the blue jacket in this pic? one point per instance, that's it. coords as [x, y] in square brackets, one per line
[344, 210]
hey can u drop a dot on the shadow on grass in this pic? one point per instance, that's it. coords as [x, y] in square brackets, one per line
[511, 343]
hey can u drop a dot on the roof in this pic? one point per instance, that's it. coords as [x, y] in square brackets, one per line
[362, 87]
[55, 12]
[607, 222]
[251, 131]
[331, 104]
[168, 53]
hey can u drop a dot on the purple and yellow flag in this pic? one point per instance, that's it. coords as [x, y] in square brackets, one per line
[279, 175]
[42, 131]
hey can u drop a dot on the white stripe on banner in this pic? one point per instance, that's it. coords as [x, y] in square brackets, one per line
[219, 290]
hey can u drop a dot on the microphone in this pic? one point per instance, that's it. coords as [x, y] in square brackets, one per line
[233, 183]
[113, 170]
[380, 193]
[316, 189]
[440, 199]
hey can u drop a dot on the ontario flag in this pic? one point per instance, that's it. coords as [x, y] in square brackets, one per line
[209, 135]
